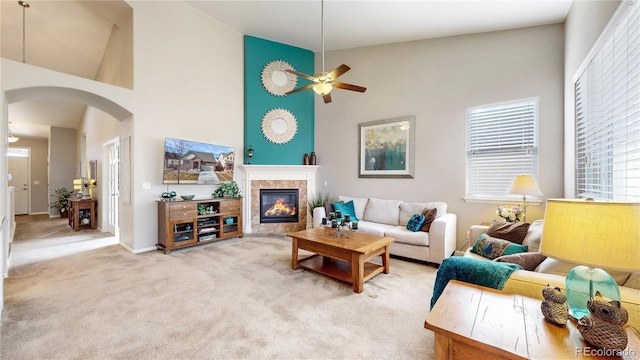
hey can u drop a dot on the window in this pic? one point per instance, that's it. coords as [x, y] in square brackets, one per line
[502, 142]
[607, 98]
[17, 152]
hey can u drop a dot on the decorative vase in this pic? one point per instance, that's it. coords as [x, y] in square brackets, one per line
[305, 160]
[313, 158]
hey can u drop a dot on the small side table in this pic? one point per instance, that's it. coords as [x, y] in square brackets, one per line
[475, 322]
[75, 209]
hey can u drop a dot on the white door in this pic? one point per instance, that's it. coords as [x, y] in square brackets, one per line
[113, 151]
[19, 178]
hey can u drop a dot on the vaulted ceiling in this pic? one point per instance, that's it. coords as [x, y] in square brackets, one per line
[71, 36]
[65, 36]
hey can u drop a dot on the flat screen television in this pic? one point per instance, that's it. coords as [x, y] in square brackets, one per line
[191, 162]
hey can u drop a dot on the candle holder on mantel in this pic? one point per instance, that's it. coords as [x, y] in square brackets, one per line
[342, 225]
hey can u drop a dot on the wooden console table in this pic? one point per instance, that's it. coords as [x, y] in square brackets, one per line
[475, 322]
[75, 209]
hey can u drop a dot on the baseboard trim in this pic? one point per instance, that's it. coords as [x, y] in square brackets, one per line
[137, 251]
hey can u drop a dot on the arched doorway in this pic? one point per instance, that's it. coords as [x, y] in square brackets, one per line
[22, 82]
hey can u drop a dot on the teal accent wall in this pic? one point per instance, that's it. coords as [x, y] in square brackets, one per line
[257, 102]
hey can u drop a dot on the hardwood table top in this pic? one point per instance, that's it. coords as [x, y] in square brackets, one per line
[512, 326]
[356, 242]
[75, 199]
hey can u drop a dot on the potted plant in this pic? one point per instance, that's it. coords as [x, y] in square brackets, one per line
[61, 203]
[317, 200]
[228, 189]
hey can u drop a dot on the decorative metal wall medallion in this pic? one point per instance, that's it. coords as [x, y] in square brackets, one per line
[276, 80]
[279, 126]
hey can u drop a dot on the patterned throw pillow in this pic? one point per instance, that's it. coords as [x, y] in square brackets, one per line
[415, 223]
[492, 248]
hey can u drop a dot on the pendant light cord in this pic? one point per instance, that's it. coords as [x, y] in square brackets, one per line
[24, 5]
[322, 30]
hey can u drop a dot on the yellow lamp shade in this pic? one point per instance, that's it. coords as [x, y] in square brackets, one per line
[594, 233]
[524, 185]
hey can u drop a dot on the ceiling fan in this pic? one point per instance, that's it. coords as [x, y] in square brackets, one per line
[324, 82]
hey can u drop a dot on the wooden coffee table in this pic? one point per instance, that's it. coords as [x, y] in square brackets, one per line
[345, 259]
[475, 322]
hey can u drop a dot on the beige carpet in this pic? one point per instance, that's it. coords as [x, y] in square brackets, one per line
[233, 299]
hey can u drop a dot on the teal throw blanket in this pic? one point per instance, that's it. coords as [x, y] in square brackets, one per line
[480, 272]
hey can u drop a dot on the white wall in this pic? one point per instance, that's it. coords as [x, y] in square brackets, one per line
[99, 128]
[117, 62]
[62, 158]
[188, 72]
[436, 80]
[583, 26]
[190, 87]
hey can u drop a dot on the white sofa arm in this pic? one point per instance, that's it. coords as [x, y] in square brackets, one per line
[443, 237]
[318, 214]
[475, 231]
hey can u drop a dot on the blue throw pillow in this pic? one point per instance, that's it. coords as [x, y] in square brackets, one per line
[346, 208]
[416, 222]
[492, 248]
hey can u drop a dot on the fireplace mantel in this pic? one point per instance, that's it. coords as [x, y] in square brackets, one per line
[276, 173]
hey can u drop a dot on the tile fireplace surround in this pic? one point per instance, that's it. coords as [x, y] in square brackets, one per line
[256, 177]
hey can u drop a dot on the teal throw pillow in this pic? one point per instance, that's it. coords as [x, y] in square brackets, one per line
[346, 208]
[416, 222]
[492, 248]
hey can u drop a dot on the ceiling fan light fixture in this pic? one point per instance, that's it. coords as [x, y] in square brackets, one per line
[10, 138]
[324, 82]
[322, 88]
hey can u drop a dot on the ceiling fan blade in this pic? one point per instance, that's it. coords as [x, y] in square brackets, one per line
[308, 77]
[327, 98]
[299, 89]
[338, 71]
[349, 87]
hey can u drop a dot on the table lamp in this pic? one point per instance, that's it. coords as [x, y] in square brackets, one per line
[77, 184]
[524, 185]
[593, 234]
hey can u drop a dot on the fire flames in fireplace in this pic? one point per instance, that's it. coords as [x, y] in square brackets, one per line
[280, 208]
[278, 205]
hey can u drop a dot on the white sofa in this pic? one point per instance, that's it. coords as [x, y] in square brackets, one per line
[390, 217]
[553, 272]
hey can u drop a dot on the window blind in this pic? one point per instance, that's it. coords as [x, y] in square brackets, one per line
[607, 111]
[502, 142]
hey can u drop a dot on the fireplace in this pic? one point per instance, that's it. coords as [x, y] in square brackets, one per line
[259, 177]
[279, 206]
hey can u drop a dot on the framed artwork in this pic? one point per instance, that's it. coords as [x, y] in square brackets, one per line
[387, 148]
